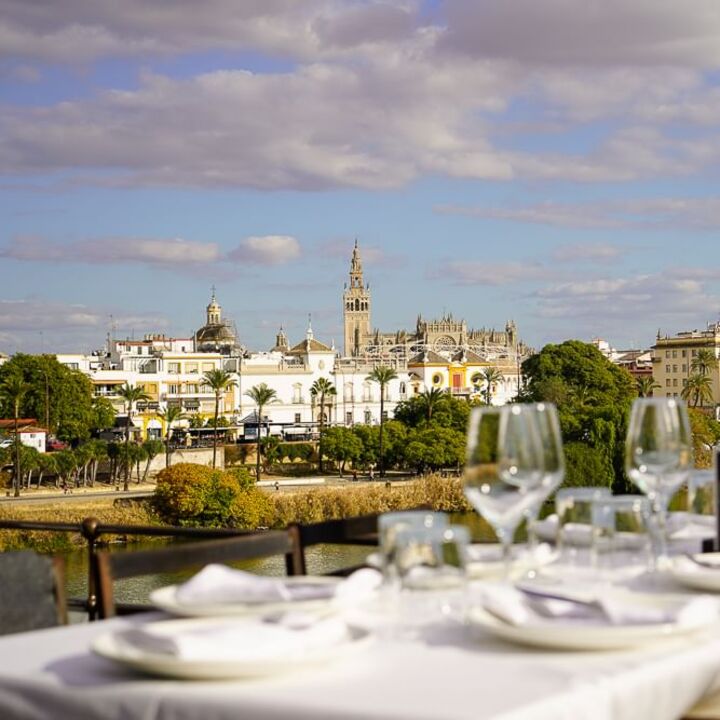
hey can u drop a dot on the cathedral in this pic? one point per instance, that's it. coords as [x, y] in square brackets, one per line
[448, 338]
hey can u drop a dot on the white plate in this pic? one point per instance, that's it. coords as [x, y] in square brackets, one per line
[559, 635]
[166, 599]
[485, 560]
[112, 647]
[693, 576]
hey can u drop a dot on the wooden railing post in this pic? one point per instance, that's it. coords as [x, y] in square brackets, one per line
[90, 531]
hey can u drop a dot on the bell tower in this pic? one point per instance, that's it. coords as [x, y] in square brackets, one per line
[356, 308]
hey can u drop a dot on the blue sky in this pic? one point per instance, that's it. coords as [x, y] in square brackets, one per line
[536, 160]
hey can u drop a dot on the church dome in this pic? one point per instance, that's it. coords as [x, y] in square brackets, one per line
[216, 334]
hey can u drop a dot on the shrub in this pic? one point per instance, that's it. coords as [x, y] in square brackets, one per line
[586, 466]
[196, 495]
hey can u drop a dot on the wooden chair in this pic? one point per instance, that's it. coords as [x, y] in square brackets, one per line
[360, 530]
[32, 592]
[110, 567]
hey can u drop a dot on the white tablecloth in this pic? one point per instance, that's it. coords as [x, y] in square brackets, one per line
[451, 672]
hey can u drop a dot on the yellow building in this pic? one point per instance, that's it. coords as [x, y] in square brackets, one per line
[673, 358]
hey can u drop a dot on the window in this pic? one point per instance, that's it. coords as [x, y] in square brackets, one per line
[674, 352]
[667, 382]
[368, 417]
[674, 368]
[437, 379]
[667, 369]
[174, 368]
[385, 415]
[367, 393]
[174, 389]
[191, 368]
[348, 392]
[191, 388]
[402, 389]
[297, 393]
[694, 353]
[667, 353]
[674, 382]
[297, 417]
[684, 353]
[684, 367]
[206, 367]
[684, 382]
[348, 418]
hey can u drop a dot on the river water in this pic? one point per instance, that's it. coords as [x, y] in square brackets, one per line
[321, 559]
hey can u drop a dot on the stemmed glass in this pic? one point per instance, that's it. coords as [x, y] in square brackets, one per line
[658, 457]
[504, 475]
[548, 425]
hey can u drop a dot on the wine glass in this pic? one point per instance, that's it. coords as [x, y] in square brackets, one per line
[658, 457]
[504, 471]
[548, 426]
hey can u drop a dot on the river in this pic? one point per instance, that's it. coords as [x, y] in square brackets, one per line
[321, 559]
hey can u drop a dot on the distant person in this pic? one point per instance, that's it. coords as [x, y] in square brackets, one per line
[354, 476]
[372, 474]
[277, 485]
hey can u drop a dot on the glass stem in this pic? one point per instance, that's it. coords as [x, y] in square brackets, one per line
[506, 542]
[531, 517]
[659, 512]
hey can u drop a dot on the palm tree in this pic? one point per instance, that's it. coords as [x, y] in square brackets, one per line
[261, 395]
[219, 381]
[429, 400]
[152, 447]
[170, 415]
[699, 388]
[130, 394]
[646, 386]
[321, 389]
[12, 391]
[382, 376]
[704, 362]
[492, 376]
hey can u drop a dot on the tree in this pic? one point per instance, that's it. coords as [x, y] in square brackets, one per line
[342, 445]
[593, 398]
[491, 377]
[130, 394]
[261, 395]
[58, 397]
[646, 386]
[102, 414]
[382, 376]
[435, 447]
[98, 453]
[219, 381]
[152, 449]
[447, 411]
[699, 388]
[430, 399]
[171, 415]
[13, 390]
[704, 361]
[321, 389]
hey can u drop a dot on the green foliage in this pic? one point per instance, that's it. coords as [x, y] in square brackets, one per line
[269, 447]
[593, 397]
[102, 414]
[447, 411]
[587, 466]
[196, 495]
[369, 436]
[342, 445]
[434, 448]
[55, 392]
[706, 434]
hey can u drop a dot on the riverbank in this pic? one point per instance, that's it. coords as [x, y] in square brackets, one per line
[302, 505]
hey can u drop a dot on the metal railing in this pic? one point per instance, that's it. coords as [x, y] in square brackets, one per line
[92, 531]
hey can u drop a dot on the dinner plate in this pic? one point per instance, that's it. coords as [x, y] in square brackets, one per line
[564, 635]
[112, 647]
[166, 599]
[691, 575]
[485, 560]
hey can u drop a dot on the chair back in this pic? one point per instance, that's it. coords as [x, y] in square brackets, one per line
[361, 530]
[32, 592]
[111, 566]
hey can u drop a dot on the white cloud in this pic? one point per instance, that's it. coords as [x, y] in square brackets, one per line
[267, 250]
[575, 32]
[492, 274]
[152, 251]
[587, 252]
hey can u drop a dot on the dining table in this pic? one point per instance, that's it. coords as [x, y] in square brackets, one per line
[444, 669]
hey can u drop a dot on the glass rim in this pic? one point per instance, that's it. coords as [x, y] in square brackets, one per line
[584, 493]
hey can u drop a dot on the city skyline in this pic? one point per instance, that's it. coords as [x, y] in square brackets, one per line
[562, 181]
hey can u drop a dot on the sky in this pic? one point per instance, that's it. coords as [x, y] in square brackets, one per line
[554, 162]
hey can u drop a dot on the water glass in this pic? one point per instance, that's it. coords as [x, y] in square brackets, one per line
[390, 524]
[431, 558]
[574, 508]
[620, 538]
[701, 493]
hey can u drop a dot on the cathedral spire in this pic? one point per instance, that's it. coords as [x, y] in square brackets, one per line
[356, 270]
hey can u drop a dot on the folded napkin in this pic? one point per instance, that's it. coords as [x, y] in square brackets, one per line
[577, 534]
[219, 584]
[235, 640]
[606, 607]
[492, 553]
[690, 526]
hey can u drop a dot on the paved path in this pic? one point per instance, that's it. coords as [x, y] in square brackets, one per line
[75, 496]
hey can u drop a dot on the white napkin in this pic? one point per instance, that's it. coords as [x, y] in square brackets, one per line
[578, 534]
[690, 526]
[219, 584]
[235, 640]
[606, 607]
